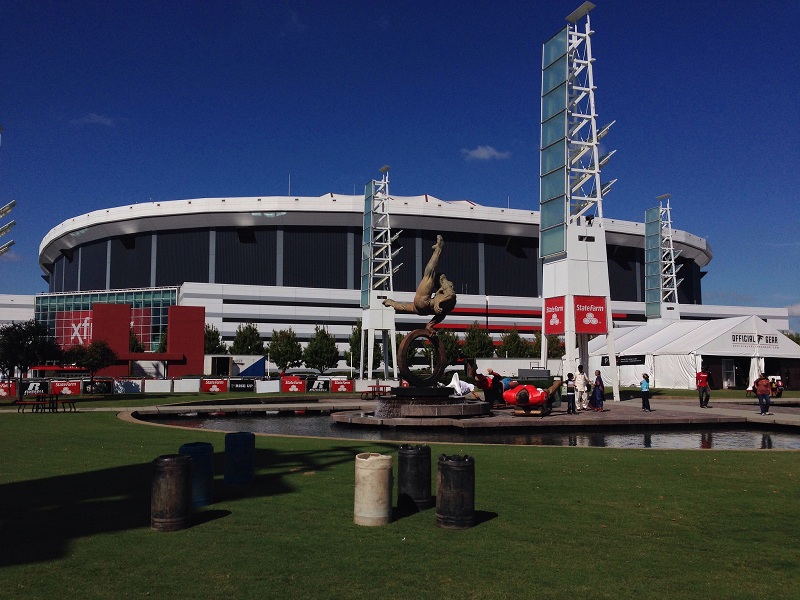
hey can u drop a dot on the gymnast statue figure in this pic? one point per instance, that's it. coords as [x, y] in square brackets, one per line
[429, 300]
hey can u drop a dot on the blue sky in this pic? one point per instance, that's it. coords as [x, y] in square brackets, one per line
[113, 103]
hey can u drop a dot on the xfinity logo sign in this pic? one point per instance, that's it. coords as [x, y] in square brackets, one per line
[81, 331]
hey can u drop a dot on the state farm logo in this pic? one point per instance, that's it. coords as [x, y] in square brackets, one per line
[590, 319]
[554, 320]
[294, 388]
[341, 388]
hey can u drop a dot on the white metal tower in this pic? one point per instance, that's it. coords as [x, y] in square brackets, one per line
[572, 241]
[376, 276]
[661, 270]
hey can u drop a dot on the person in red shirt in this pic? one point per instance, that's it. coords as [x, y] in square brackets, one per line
[763, 388]
[703, 381]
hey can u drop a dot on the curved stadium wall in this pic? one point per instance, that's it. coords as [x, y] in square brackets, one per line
[295, 261]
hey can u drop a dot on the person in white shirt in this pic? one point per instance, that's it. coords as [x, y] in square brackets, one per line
[582, 386]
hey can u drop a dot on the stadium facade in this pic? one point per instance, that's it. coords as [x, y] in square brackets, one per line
[281, 262]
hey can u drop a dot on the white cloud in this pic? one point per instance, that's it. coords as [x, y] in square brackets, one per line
[484, 153]
[794, 310]
[94, 119]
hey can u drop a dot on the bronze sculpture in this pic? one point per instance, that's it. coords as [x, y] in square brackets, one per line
[428, 300]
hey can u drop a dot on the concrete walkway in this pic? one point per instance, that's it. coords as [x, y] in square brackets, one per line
[666, 412]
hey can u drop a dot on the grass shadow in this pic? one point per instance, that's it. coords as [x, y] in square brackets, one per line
[39, 518]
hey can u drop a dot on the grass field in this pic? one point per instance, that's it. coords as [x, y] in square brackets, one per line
[553, 522]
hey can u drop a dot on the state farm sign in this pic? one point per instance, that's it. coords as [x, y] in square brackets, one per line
[293, 384]
[213, 386]
[590, 314]
[553, 316]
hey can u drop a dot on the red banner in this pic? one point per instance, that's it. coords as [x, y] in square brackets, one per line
[67, 388]
[293, 384]
[213, 386]
[73, 328]
[342, 385]
[8, 389]
[553, 316]
[590, 314]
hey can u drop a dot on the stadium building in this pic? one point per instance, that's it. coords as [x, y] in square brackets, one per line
[281, 262]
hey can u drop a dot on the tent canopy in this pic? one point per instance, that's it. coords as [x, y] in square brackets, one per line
[672, 351]
[737, 336]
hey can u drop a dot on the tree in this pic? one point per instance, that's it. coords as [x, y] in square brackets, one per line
[451, 346]
[512, 345]
[134, 343]
[284, 349]
[555, 349]
[477, 343]
[162, 342]
[247, 340]
[213, 343]
[321, 352]
[353, 356]
[23, 345]
[96, 356]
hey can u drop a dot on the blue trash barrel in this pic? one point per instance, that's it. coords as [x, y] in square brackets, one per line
[239, 450]
[171, 492]
[202, 455]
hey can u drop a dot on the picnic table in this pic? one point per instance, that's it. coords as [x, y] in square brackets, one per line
[47, 403]
[374, 391]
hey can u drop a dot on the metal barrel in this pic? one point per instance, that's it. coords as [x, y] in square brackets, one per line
[171, 492]
[372, 504]
[239, 450]
[202, 455]
[414, 478]
[455, 496]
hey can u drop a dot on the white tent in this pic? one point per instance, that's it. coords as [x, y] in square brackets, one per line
[671, 352]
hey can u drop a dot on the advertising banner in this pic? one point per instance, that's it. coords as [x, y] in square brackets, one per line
[98, 386]
[242, 385]
[8, 389]
[213, 386]
[34, 387]
[293, 384]
[342, 385]
[590, 314]
[66, 388]
[73, 328]
[128, 386]
[553, 316]
[319, 385]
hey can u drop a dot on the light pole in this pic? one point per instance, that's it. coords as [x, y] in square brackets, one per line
[487, 314]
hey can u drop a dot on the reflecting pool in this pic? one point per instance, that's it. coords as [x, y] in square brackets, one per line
[320, 425]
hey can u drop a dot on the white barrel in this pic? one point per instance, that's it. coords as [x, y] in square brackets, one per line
[373, 489]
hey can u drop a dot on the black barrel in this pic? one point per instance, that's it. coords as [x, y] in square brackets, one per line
[202, 455]
[239, 450]
[455, 496]
[171, 492]
[414, 478]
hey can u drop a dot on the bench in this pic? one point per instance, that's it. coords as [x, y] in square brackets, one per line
[36, 405]
[66, 401]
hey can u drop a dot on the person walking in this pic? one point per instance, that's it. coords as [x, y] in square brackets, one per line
[598, 392]
[763, 388]
[582, 387]
[703, 382]
[571, 394]
[645, 385]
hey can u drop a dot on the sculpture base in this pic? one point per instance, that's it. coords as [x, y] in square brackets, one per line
[427, 402]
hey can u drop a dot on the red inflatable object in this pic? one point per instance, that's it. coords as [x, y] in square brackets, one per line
[525, 395]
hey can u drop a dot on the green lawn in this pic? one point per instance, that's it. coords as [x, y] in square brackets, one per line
[553, 522]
